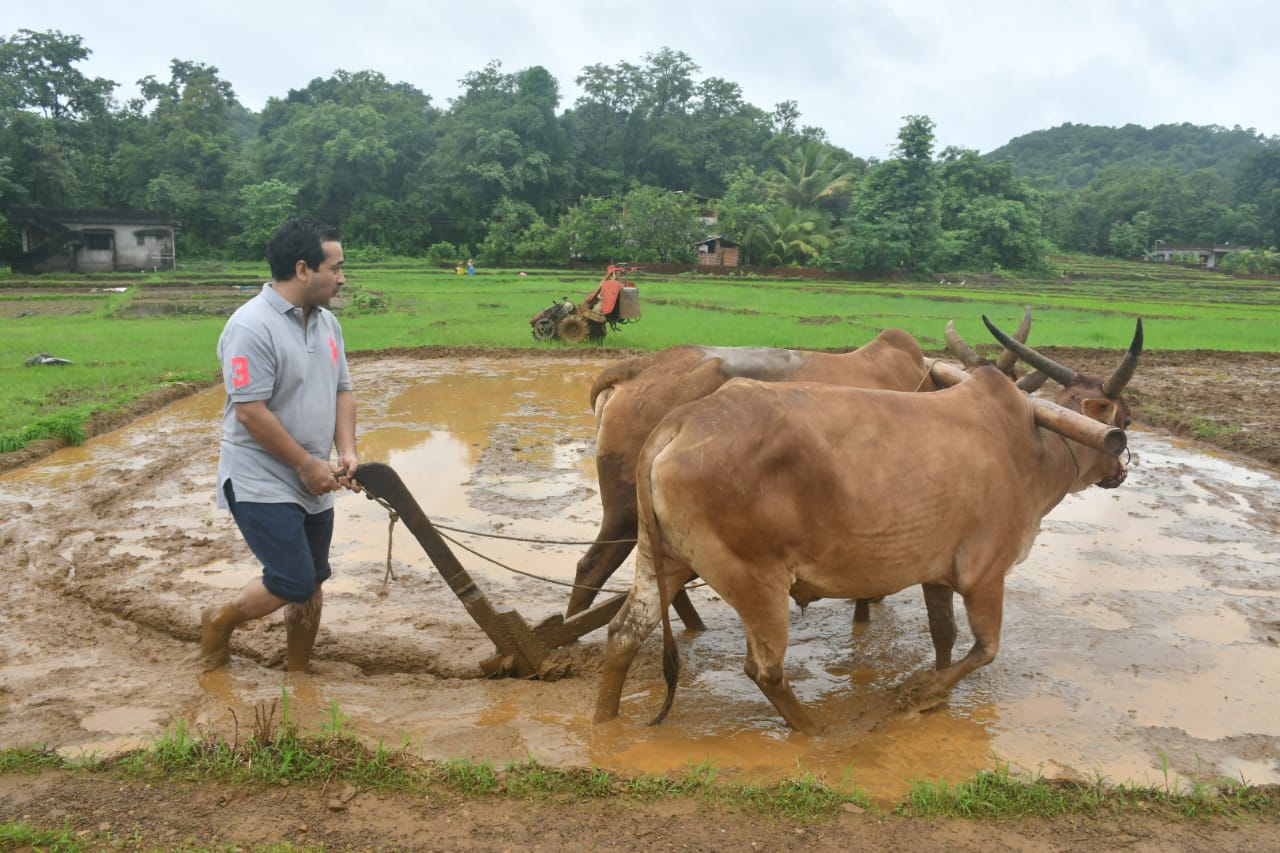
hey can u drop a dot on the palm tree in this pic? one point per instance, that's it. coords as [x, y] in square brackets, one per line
[792, 235]
[811, 178]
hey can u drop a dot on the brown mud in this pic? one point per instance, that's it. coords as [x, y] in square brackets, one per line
[1142, 638]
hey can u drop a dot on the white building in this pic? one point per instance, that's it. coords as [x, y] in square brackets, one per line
[92, 240]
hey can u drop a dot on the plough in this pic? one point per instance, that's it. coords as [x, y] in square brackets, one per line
[521, 649]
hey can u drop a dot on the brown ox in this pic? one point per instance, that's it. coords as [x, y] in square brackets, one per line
[631, 396]
[808, 491]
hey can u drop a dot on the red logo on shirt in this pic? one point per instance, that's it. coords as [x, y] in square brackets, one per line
[239, 371]
[333, 348]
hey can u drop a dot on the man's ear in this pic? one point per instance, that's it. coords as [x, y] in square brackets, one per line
[300, 269]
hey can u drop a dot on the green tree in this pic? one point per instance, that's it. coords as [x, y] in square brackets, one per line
[1252, 261]
[56, 127]
[659, 226]
[740, 212]
[507, 227]
[499, 140]
[814, 176]
[355, 145]
[989, 216]
[591, 230]
[895, 221]
[542, 244]
[262, 208]
[37, 72]
[1257, 184]
[181, 151]
[1132, 238]
[792, 236]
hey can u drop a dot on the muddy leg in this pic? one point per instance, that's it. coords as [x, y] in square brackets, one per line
[598, 565]
[631, 625]
[216, 625]
[766, 647]
[301, 622]
[861, 611]
[602, 560]
[616, 474]
[942, 622]
[985, 608]
[640, 614]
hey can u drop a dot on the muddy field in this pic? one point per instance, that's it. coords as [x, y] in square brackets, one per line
[1141, 641]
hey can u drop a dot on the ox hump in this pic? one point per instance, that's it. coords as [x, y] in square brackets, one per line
[764, 363]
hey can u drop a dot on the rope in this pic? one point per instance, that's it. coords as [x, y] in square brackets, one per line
[516, 571]
[1072, 451]
[923, 379]
[394, 517]
[440, 526]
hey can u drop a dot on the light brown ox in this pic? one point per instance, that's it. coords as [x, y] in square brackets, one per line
[808, 491]
[631, 396]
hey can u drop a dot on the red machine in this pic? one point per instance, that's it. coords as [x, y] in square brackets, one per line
[614, 301]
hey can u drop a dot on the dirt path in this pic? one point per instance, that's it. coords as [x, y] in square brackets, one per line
[245, 816]
[110, 549]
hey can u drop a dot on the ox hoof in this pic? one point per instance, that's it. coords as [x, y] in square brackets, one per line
[920, 693]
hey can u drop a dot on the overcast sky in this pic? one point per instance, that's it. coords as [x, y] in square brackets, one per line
[985, 72]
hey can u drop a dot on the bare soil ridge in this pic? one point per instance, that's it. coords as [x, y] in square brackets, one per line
[164, 817]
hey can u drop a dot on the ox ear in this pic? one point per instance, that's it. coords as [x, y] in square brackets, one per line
[1100, 409]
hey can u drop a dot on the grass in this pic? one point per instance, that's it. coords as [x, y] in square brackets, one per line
[1206, 428]
[274, 752]
[119, 357]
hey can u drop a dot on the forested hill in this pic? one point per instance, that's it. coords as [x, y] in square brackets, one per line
[1072, 155]
[508, 175]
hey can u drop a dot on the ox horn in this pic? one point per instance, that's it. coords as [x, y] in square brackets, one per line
[1065, 376]
[963, 351]
[1009, 358]
[1116, 381]
[1032, 382]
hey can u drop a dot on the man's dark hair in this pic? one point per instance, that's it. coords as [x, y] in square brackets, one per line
[298, 239]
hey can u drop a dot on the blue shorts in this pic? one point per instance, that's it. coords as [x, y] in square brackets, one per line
[292, 544]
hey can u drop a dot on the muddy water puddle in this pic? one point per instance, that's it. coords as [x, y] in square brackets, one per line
[1144, 627]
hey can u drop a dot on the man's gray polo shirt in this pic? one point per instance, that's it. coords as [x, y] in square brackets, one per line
[267, 355]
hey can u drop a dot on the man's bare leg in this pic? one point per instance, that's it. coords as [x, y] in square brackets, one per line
[217, 623]
[301, 622]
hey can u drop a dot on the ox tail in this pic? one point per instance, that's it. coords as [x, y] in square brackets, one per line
[616, 374]
[657, 553]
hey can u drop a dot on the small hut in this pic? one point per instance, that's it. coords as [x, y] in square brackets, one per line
[716, 251]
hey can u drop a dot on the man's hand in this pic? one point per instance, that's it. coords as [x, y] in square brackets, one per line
[345, 471]
[317, 476]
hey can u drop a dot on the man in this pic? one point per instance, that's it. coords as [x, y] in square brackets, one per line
[289, 403]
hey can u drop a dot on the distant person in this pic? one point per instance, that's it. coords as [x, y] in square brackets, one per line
[289, 403]
[459, 269]
[471, 268]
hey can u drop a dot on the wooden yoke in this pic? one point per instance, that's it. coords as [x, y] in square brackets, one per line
[1107, 439]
